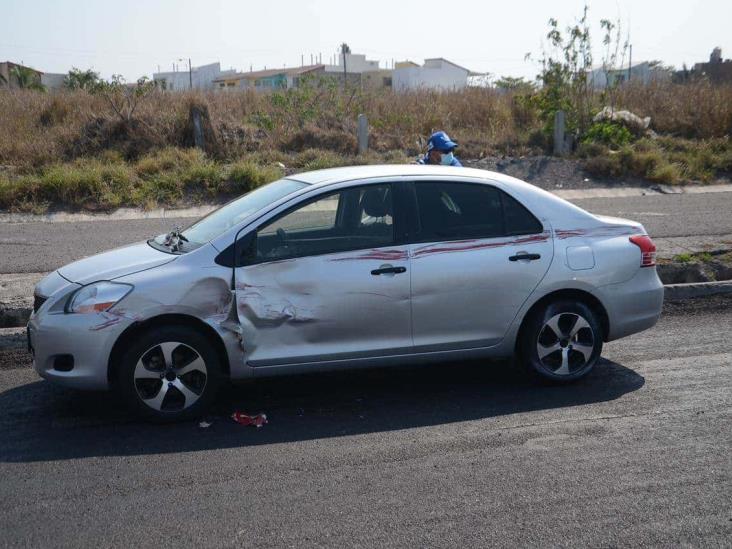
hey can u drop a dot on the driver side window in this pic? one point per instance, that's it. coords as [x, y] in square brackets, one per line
[349, 219]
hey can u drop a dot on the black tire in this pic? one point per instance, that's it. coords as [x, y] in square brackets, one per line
[186, 396]
[582, 350]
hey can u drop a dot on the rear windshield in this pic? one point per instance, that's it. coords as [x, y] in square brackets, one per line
[219, 221]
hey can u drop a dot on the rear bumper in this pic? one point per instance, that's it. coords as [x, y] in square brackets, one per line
[634, 305]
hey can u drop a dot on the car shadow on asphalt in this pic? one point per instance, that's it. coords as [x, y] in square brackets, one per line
[42, 422]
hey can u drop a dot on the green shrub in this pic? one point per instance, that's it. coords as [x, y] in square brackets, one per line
[159, 189]
[246, 175]
[590, 149]
[608, 133]
[318, 159]
[604, 166]
[665, 173]
[168, 159]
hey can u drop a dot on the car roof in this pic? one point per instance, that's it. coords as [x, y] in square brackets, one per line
[348, 173]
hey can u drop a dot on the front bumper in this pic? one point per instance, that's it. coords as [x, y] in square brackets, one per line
[87, 338]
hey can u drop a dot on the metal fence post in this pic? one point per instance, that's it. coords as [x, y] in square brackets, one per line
[559, 144]
[363, 134]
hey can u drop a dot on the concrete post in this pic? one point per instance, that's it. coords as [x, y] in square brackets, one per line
[198, 138]
[559, 144]
[363, 134]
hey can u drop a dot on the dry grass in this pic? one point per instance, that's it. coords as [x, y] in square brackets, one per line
[69, 148]
[696, 111]
[39, 129]
[663, 160]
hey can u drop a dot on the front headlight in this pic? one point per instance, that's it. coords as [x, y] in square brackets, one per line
[97, 297]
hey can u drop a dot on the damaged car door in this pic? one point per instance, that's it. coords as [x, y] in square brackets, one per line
[326, 280]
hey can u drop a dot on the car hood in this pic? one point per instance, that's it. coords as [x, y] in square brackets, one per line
[115, 263]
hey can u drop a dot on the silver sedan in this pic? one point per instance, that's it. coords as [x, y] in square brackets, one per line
[346, 268]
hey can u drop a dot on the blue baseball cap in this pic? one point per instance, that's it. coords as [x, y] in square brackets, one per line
[440, 141]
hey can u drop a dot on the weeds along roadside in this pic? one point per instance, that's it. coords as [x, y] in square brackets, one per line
[70, 149]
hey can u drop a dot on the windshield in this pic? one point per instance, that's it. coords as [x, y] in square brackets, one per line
[218, 222]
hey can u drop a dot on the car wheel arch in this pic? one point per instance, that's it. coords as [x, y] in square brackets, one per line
[572, 294]
[167, 320]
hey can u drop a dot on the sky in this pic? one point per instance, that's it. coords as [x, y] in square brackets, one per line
[136, 37]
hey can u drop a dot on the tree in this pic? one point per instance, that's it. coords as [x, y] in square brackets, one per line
[78, 79]
[514, 84]
[613, 59]
[26, 78]
[566, 69]
[123, 98]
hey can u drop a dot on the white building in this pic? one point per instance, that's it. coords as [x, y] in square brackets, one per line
[355, 63]
[435, 74]
[53, 81]
[642, 73]
[200, 78]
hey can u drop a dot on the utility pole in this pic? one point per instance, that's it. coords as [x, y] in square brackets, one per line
[190, 73]
[630, 61]
[344, 50]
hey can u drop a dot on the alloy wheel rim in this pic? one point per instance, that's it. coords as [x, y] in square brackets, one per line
[565, 344]
[170, 376]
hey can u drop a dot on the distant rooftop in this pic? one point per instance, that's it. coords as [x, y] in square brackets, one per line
[254, 75]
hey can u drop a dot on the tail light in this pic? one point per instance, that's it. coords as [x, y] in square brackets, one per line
[647, 248]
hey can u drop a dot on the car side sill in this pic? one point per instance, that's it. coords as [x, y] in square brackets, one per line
[260, 369]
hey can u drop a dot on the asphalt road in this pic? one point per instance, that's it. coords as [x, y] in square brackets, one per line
[639, 453]
[41, 247]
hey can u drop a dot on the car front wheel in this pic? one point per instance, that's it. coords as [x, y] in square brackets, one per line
[562, 341]
[170, 373]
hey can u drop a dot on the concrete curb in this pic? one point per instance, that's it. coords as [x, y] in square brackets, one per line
[14, 316]
[696, 289]
[13, 338]
[17, 316]
[122, 214]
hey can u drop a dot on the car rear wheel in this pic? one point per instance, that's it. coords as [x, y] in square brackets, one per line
[169, 374]
[562, 341]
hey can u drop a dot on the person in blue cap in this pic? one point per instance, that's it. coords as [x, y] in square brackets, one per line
[440, 150]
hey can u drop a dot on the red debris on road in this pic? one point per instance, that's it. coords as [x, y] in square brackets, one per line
[246, 419]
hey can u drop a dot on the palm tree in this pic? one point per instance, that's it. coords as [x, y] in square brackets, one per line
[26, 78]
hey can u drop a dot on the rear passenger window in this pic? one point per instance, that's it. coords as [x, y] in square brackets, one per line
[518, 219]
[452, 211]
[457, 210]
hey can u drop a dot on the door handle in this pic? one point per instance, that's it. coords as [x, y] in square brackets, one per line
[388, 269]
[524, 255]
